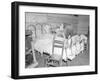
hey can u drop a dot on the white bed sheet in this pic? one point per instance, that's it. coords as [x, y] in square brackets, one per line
[45, 45]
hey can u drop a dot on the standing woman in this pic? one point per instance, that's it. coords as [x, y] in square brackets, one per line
[35, 63]
[70, 55]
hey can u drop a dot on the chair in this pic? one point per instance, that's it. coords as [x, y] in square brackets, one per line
[56, 59]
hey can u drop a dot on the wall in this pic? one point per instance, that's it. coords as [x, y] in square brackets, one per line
[54, 20]
[83, 24]
[48, 17]
[80, 24]
[5, 41]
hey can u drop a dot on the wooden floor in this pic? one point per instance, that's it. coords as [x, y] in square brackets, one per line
[79, 60]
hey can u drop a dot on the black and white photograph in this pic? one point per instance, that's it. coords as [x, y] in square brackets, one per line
[50, 40]
[56, 40]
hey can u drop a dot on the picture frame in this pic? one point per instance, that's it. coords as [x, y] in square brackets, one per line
[20, 16]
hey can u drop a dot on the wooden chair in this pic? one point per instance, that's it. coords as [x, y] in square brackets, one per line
[56, 59]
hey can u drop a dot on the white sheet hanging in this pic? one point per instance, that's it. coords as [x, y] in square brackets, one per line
[74, 49]
[78, 48]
